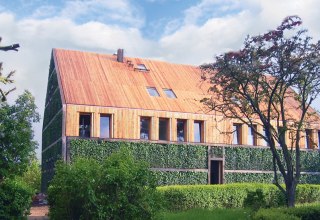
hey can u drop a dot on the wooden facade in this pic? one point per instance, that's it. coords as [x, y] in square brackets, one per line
[95, 85]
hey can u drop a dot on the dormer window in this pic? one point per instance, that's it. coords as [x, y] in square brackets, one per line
[169, 93]
[141, 67]
[153, 91]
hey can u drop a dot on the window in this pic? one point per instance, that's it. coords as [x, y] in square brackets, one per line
[264, 142]
[237, 132]
[164, 132]
[153, 91]
[145, 128]
[84, 125]
[105, 126]
[252, 135]
[319, 139]
[308, 139]
[181, 130]
[198, 131]
[141, 67]
[169, 93]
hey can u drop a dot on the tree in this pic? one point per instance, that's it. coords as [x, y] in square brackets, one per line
[271, 81]
[5, 80]
[16, 135]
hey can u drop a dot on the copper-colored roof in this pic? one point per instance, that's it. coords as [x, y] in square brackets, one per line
[98, 79]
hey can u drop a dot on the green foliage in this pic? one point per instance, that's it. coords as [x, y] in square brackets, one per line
[15, 199]
[16, 135]
[157, 155]
[32, 176]
[202, 214]
[248, 177]
[180, 177]
[305, 212]
[234, 195]
[117, 188]
[53, 132]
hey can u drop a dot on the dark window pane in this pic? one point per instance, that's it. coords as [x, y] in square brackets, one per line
[153, 91]
[169, 93]
[105, 126]
[163, 129]
[181, 130]
[144, 128]
[197, 131]
[252, 137]
[84, 125]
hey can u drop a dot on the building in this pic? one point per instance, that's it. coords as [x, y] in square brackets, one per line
[92, 95]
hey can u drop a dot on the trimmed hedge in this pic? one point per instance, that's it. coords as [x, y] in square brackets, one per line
[304, 212]
[178, 198]
[248, 177]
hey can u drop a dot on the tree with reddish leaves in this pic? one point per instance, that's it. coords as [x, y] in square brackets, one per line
[272, 82]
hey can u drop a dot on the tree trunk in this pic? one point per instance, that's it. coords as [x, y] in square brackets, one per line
[290, 193]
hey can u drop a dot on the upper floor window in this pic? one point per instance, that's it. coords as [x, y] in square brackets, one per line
[237, 134]
[308, 139]
[85, 125]
[145, 128]
[153, 91]
[181, 130]
[169, 93]
[198, 131]
[252, 135]
[164, 131]
[105, 126]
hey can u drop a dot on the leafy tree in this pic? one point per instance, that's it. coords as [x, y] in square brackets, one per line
[32, 176]
[16, 135]
[117, 188]
[271, 81]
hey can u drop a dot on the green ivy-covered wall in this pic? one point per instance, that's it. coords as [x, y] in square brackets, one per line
[52, 128]
[188, 164]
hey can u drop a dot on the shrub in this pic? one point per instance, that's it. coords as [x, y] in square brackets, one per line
[15, 199]
[305, 212]
[32, 176]
[117, 188]
[254, 195]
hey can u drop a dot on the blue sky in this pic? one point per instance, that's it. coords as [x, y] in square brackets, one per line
[180, 31]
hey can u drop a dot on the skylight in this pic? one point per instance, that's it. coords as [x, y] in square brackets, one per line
[169, 93]
[141, 67]
[153, 91]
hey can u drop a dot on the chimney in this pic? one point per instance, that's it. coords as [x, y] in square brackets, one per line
[120, 55]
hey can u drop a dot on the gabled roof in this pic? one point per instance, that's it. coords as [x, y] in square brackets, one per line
[99, 80]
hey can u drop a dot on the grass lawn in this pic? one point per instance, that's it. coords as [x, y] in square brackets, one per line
[201, 214]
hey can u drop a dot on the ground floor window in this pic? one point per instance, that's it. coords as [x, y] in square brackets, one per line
[85, 125]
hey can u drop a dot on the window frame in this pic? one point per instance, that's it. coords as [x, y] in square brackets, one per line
[252, 135]
[149, 127]
[167, 132]
[171, 94]
[238, 131]
[110, 124]
[153, 89]
[201, 131]
[83, 129]
[185, 130]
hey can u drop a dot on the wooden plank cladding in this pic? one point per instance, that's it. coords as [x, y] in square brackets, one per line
[125, 124]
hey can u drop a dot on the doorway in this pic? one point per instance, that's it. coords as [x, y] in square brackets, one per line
[216, 172]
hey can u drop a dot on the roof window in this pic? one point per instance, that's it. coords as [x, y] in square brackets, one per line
[153, 91]
[141, 67]
[169, 93]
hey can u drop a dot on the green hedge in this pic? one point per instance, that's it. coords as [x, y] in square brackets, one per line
[181, 178]
[157, 155]
[178, 198]
[53, 107]
[248, 177]
[305, 212]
